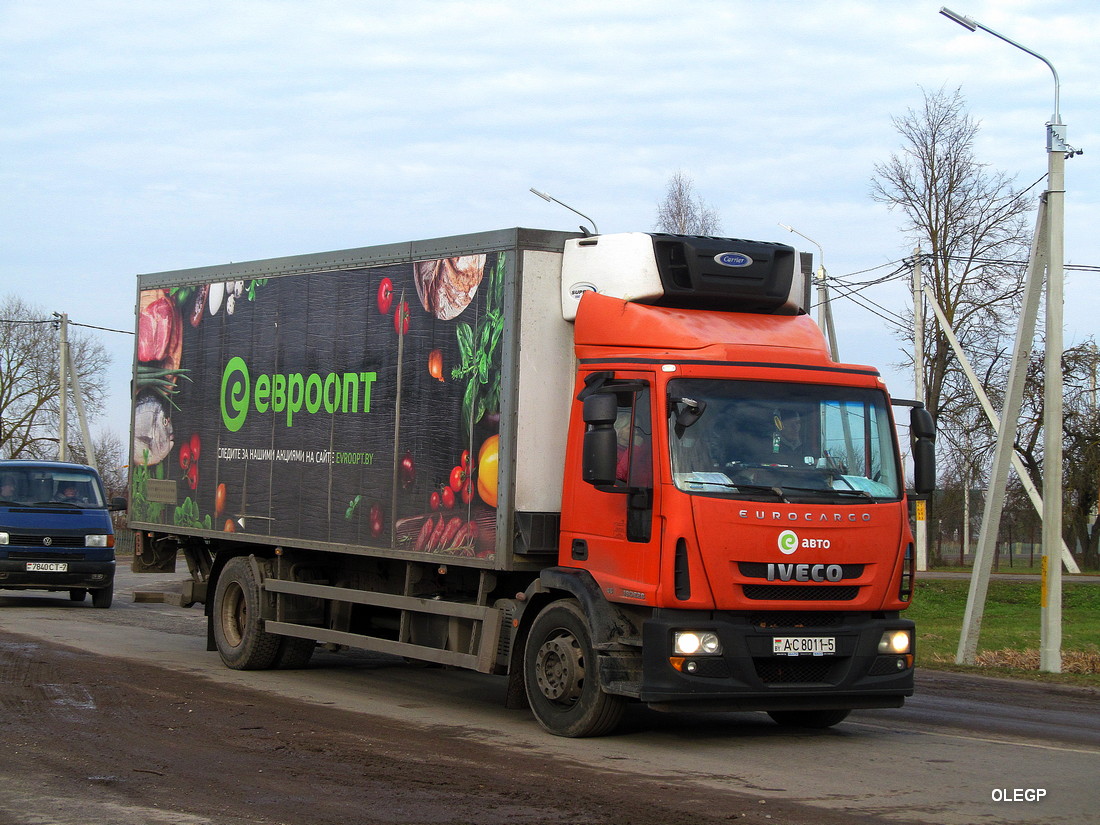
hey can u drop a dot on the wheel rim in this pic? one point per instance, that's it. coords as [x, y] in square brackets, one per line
[234, 614]
[559, 668]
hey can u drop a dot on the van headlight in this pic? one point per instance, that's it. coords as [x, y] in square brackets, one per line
[3, 538]
[696, 643]
[98, 540]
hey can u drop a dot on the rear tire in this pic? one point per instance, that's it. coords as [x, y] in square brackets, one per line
[294, 653]
[103, 597]
[818, 719]
[562, 675]
[238, 633]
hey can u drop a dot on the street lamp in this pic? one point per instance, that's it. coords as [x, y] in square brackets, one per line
[824, 311]
[546, 197]
[1050, 656]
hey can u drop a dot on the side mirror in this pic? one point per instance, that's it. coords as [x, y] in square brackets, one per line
[922, 434]
[118, 503]
[600, 448]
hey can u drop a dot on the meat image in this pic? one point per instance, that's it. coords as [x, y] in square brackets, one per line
[447, 286]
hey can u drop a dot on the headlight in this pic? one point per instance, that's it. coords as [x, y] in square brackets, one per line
[3, 538]
[696, 643]
[895, 641]
[98, 541]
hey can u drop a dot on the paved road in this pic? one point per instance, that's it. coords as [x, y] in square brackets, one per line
[950, 756]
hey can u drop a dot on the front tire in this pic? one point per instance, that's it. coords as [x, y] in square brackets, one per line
[562, 678]
[102, 597]
[238, 627]
[817, 719]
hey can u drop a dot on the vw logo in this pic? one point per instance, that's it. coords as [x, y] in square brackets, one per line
[47, 541]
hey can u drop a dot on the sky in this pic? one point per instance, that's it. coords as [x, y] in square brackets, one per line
[142, 137]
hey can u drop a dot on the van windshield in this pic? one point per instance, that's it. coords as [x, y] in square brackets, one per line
[49, 486]
[771, 441]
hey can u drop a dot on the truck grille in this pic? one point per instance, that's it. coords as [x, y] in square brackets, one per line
[795, 670]
[775, 620]
[800, 593]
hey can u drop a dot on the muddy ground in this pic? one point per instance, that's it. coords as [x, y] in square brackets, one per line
[91, 739]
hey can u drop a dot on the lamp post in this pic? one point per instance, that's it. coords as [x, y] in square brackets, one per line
[551, 198]
[1050, 655]
[824, 308]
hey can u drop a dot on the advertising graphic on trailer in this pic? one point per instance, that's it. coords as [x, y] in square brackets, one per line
[357, 407]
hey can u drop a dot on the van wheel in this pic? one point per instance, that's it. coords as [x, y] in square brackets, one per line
[77, 594]
[102, 597]
[561, 674]
[819, 719]
[238, 633]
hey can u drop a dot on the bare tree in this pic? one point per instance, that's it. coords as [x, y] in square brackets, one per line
[971, 223]
[1080, 443]
[29, 379]
[683, 212]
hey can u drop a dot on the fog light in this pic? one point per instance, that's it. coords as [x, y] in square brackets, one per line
[696, 643]
[895, 641]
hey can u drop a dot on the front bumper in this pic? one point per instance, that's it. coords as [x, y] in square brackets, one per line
[749, 676]
[79, 574]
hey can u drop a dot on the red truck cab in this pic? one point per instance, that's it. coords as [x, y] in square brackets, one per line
[740, 498]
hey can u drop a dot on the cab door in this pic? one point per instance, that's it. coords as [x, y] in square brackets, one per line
[609, 526]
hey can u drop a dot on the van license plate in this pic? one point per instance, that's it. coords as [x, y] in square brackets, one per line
[803, 645]
[47, 567]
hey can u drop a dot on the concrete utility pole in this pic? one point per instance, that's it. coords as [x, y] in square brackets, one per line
[921, 506]
[62, 382]
[1053, 238]
[66, 373]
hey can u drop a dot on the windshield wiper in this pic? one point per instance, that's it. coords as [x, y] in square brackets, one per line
[762, 488]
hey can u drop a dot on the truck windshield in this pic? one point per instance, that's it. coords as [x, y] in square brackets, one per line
[766, 441]
[49, 486]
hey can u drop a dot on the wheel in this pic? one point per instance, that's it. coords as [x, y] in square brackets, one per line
[819, 719]
[560, 672]
[102, 597]
[238, 633]
[77, 594]
[294, 653]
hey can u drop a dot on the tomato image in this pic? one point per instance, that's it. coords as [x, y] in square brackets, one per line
[447, 498]
[487, 460]
[458, 478]
[377, 520]
[385, 296]
[407, 471]
[401, 318]
[219, 500]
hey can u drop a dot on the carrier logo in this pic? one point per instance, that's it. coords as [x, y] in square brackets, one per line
[737, 260]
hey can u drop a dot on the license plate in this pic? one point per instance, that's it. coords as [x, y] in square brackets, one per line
[803, 645]
[47, 567]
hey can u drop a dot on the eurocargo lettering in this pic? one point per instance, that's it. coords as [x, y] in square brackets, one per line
[610, 469]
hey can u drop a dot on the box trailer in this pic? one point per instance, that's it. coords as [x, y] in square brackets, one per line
[614, 468]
